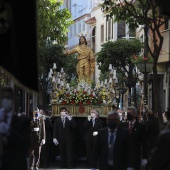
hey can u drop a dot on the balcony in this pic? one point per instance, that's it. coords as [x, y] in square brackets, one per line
[165, 52]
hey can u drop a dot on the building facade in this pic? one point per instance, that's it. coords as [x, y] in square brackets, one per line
[90, 21]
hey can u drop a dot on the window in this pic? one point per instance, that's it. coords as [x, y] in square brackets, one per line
[83, 25]
[79, 26]
[132, 33]
[121, 29]
[75, 29]
[102, 33]
[71, 31]
[167, 25]
[109, 29]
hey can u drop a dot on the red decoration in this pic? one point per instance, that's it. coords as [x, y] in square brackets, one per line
[72, 102]
[81, 109]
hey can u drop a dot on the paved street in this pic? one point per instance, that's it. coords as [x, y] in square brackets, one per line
[80, 165]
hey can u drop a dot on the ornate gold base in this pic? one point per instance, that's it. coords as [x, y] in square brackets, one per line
[81, 111]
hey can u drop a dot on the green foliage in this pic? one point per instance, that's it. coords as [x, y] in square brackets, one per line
[133, 12]
[73, 83]
[103, 76]
[70, 63]
[117, 53]
[53, 53]
[141, 59]
[52, 21]
[140, 12]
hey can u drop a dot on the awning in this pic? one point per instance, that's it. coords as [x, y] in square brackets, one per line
[91, 20]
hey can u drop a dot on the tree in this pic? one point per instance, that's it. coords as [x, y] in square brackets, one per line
[53, 53]
[119, 53]
[52, 22]
[141, 12]
[52, 26]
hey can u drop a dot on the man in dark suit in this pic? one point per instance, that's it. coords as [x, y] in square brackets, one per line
[137, 137]
[63, 131]
[91, 124]
[112, 150]
[159, 158]
[15, 133]
[151, 132]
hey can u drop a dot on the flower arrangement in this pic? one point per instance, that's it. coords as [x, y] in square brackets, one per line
[141, 59]
[81, 96]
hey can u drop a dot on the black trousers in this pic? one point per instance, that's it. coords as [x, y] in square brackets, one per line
[66, 153]
[110, 167]
[89, 149]
[45, 155]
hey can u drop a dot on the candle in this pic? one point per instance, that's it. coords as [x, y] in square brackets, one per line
[67, 85]
[110, 80]
[51, 70]
[49, 75]
[110, 66]
[62, 70]
[114, 74]
[54, 66]
[58, 82]
[53, 80]
[62, 84]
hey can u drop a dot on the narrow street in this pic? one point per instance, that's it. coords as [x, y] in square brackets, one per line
[80, 165]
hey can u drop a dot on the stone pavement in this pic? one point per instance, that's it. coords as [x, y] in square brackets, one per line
[80, 165]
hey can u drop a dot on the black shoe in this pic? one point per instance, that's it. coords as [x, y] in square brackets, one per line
[62, 167]
[70, 167]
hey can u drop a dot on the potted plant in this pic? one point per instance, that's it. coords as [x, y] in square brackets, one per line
[144, 64]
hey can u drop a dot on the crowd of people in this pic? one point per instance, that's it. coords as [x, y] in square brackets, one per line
[118, 142]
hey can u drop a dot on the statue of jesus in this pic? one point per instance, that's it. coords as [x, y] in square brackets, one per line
[86, 61]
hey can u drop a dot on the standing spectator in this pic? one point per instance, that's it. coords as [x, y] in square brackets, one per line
[45, 152]
[38, 137]
[159, 158]
[73, 134]
[23, 114]
[103, 120]
[166, 117]
[15, 133]
[91, 125]
[137, 137]
[63, 135]
[151, 131]
[112, 147]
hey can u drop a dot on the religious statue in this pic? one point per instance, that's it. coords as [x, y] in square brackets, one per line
[86, 61]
